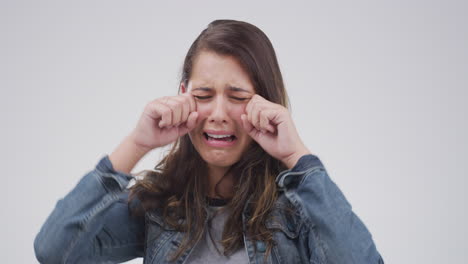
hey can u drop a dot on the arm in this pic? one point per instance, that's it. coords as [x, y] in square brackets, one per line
[337, 230]
[92, 223]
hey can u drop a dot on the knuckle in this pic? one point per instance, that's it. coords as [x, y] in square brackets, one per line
[171, 103]
[253, 108]
[148, 107]
[151, 104]
[179, 98]
[165, 111]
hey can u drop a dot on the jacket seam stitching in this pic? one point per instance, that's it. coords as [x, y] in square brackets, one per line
[105, 201]
[307, 221]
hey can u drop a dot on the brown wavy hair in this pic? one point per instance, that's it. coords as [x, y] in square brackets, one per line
[177, 186]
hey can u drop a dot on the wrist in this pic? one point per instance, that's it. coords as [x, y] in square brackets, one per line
[135, 146]
[127, 154]
[292, 159]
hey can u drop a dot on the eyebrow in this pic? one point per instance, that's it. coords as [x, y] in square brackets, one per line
[232, 88]
[205, 89]
[237, 89]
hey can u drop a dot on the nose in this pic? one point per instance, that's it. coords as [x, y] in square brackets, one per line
[219, 112]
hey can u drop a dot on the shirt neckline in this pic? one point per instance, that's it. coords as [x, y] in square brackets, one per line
[216, 202]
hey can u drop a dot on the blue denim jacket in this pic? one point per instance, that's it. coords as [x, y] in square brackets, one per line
[92, 223]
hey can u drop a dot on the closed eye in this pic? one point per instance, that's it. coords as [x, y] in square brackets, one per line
[239, 98]
[199, 97]
[202, 97]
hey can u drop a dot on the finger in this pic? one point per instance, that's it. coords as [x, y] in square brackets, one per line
[191, 102]
[192, 120]
[265, 121]
[248, 108]
[153, 109]
[257, 114]
[252, 114]
[258, 98]
[185, 111]
[189, 125]
[251, 131]
[176, 111]
[166, 115]
[184, 105]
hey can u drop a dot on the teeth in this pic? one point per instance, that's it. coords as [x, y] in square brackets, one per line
[218, 136]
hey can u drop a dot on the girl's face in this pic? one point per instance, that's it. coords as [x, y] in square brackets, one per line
[221, 90]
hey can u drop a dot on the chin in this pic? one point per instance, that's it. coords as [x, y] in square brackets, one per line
[219, 158]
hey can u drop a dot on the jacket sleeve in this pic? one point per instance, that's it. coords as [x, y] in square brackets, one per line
[339, 234]
[92, 224]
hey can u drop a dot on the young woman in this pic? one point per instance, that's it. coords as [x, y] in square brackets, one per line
[238, 186]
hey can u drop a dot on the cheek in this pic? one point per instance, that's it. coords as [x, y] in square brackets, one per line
[236, 111]
[203, 110]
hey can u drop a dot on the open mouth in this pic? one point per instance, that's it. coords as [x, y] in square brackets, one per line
[212, 137]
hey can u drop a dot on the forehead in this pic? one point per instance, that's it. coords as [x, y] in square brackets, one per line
[218, 72]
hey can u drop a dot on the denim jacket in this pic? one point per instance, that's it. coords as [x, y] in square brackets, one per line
[92, 224]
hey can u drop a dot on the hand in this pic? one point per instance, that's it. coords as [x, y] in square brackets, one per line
[164, 120]
[271, 126]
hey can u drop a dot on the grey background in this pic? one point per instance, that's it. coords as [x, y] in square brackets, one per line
[378, 90]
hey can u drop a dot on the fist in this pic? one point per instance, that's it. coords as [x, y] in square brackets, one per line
[271, 126]
[164, 120]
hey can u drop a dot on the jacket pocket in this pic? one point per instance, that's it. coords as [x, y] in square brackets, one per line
[158, 239]
[285, 220]
[287, 226]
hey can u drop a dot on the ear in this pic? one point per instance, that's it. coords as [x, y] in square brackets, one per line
[183, 89]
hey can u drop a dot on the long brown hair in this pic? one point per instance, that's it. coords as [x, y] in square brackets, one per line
[177, 186]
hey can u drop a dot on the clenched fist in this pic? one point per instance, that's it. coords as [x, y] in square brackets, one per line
[164, 120]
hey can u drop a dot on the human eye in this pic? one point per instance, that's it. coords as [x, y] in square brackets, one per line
[199, 97]
[240, 99]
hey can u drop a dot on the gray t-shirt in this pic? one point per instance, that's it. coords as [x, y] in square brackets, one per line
[207, 252]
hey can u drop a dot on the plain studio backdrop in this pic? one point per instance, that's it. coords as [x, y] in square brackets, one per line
[378, 91]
